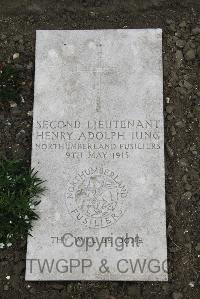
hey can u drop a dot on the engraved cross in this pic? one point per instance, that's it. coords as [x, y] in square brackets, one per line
[97, 70]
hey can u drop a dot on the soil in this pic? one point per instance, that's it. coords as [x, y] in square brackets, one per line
[181, 55]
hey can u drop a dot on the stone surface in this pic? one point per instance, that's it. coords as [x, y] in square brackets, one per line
[98, 141]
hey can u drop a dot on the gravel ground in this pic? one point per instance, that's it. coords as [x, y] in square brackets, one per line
[181, 53]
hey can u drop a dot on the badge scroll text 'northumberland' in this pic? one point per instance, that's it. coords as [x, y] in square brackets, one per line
[96, 197]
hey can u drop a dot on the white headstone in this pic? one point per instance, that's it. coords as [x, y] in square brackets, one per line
[98, 141]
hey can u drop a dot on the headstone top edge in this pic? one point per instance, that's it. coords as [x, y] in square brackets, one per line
[100, 30]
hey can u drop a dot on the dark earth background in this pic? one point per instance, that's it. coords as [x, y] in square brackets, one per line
[180, 21]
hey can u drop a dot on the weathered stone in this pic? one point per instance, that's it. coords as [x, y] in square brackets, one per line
[98, 142]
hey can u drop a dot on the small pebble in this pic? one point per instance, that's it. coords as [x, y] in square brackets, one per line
[186, 196]
[197, 248]
[169, 109]
[180, 43]
[16, 56]
[190, 55]
[182, 24]
[30, 113]
[179, 57]
[188, 187]
[12, 104]
[180, 124]
[169, 150]
[191, 284]
[57, 286]
[6, 287]
[198, 51]
[173, 131]
[187, 85]
[196, 31]
[177, 295]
